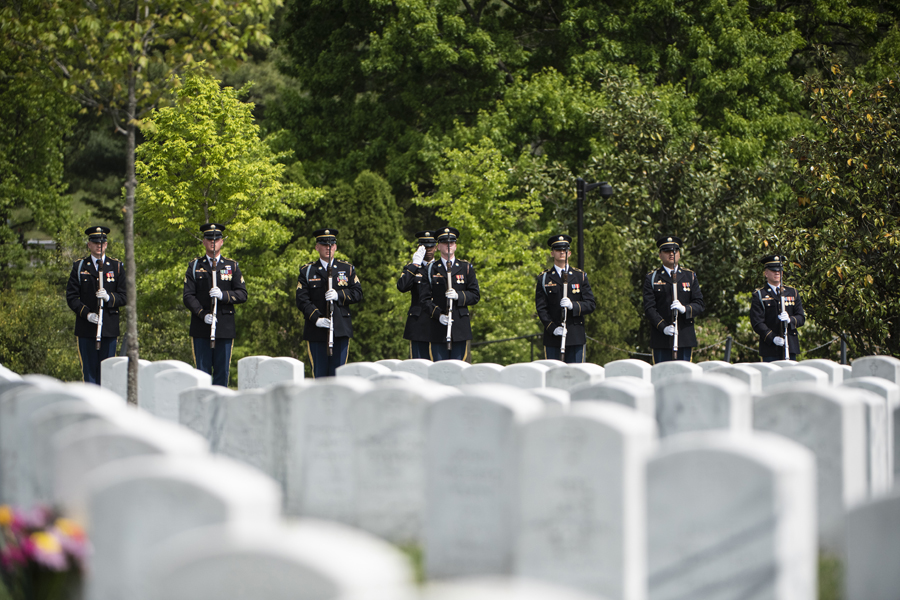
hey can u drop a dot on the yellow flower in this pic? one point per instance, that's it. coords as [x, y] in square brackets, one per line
[46, 542]
[69, 528]
[6, 515]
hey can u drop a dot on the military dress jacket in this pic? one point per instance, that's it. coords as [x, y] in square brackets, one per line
[81, 296]
[765, 306]
[312, 283]
[434, 299]
[547, 295]
[198, 280]
[658, 297]
[418, 325]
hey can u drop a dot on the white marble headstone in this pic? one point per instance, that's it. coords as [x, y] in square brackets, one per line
[710, 402]
[832, 424]
[890, 392]
[278, 370]
[886, 367]
[447, 372]
[83, 447]
[731, 517]
[139, 502]
[674, 368]
[361, 369]
[303, 560]
[628, 367]
[390, 363]
[570, 376]
[110, 378]
[795, 374]
[416, 366]
[321, 477]
[526, 375]
[115, 376]
[872, 563]
[709, 365]
[147, 382]
[248, 369]
[471, 448]
[582, 521]
[388, 429]
[632, 392]
[742, 372]
[168, 387]
[481, 373]
[835, 371]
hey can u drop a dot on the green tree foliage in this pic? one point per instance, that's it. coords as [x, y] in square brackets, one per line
[34, 120]
[204, 161]
[843, 234]
[612, 325]
[117, 58]
[501, 235]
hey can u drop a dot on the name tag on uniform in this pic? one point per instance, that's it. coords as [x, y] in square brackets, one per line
[660, 283]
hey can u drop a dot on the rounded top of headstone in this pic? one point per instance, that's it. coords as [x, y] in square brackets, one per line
[775, 451]
[500, 588]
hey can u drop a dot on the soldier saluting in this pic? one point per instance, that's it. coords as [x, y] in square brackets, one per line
[96, 288]
[672, 300]
[563, 290]
[451, 288]
[316, 290]
[774, 310]
[418, 325]
[213, 285]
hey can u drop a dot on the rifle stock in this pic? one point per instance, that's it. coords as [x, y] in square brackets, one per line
[100, 311]
[565, 312]
[787, 351]
[330, 310]
[675, 311]
[449, 307]
[215, 312]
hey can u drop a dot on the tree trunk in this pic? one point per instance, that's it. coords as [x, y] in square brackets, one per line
[130, 263]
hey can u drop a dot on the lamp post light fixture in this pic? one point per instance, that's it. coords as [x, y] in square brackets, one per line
[582, 188]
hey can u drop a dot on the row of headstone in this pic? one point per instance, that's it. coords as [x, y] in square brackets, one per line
[165, 518]
[355, 453]
[512, 488]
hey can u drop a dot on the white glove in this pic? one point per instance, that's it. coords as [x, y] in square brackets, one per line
[331, 295]
[215, 293]
[103, 294]
[669, 330]
[208, 319]
[677, 305]
[323, 323]
[783, 316]
[558, 331]
[444, 319]
[93, 318]
[565, 303]
[779, 341]
[451, 294]
[419, 256]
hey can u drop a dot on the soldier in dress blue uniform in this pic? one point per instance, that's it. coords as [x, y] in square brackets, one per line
[660, 303]
[418, 325]
[436, 295]
[213, 277]
[83, 295]
[549, 302]
[767, 317]
[313, 297]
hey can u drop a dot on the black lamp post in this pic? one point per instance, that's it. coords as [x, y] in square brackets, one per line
[583, 188]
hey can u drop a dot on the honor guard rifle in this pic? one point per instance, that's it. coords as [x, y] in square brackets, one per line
[100, 311]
